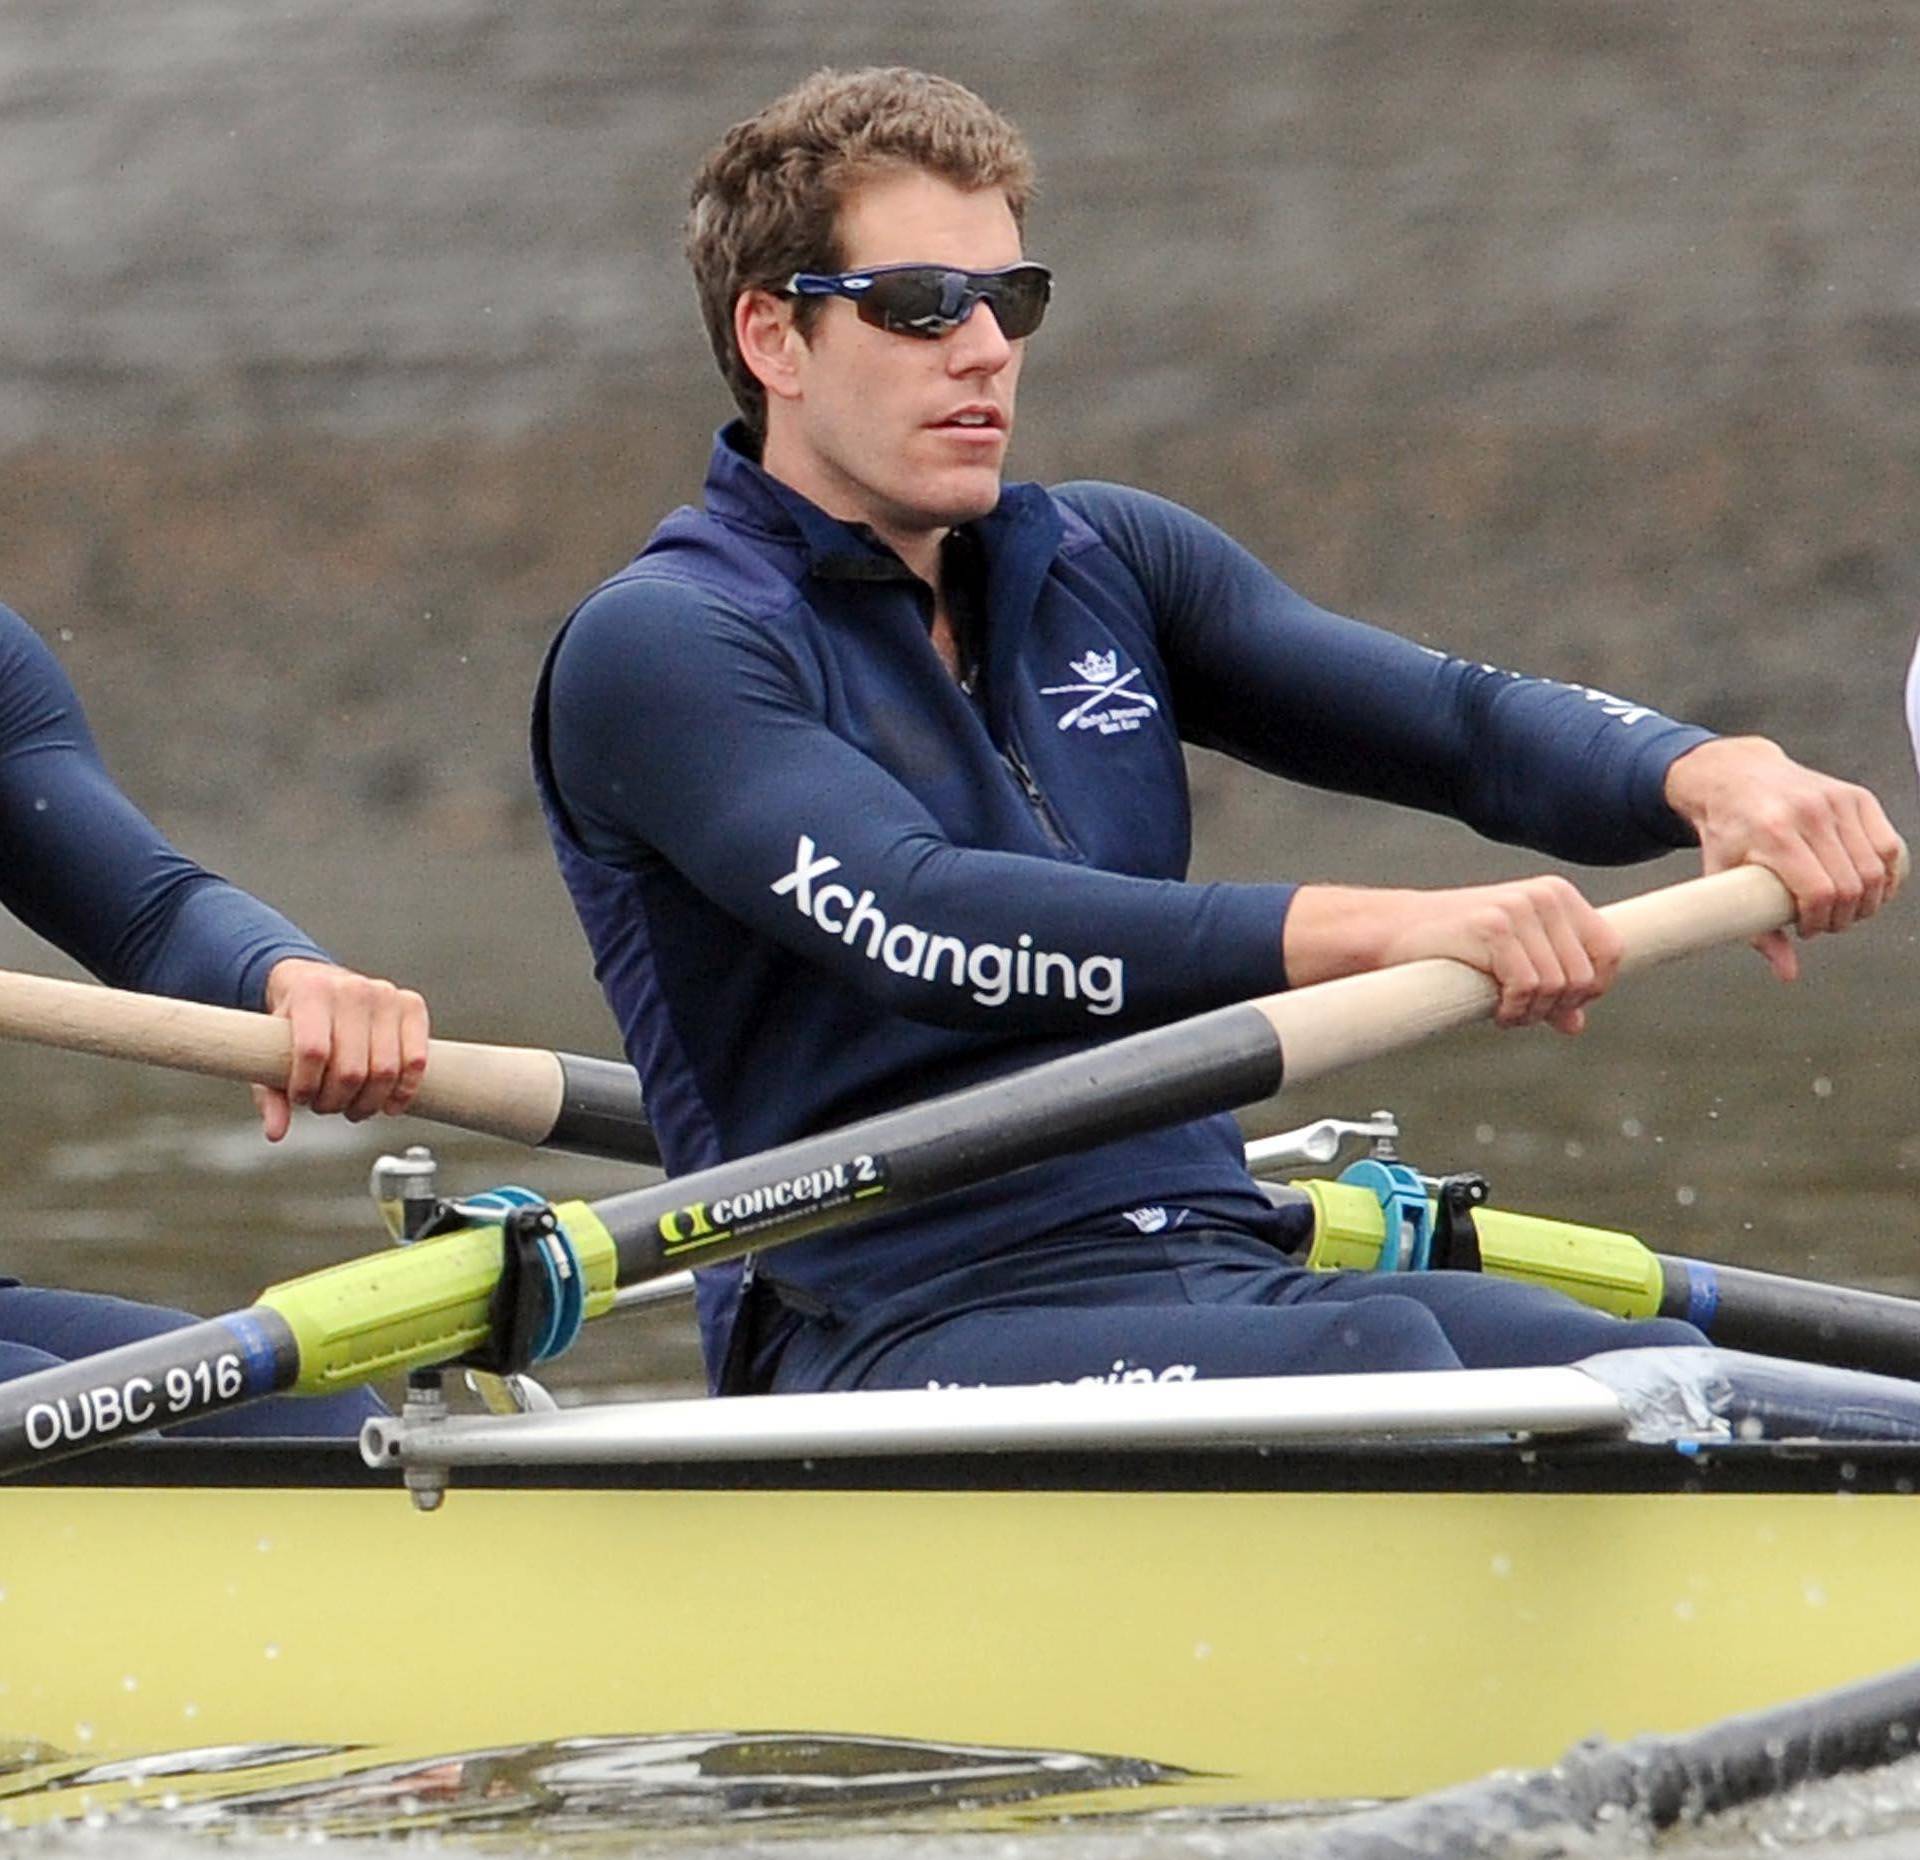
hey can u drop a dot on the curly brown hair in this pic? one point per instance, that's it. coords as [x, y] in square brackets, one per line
[766, 201]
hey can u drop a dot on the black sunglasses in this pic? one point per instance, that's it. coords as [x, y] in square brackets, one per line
[929, 300]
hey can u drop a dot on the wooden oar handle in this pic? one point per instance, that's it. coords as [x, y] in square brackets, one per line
[1361, 1017]
[1678, 919]
[519, 1092]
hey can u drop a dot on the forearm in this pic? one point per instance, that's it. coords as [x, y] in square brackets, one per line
[1545, 948]
[969, 938]
[211, 941]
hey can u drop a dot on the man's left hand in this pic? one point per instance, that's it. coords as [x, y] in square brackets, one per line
[1828, 841]
[359, 1044]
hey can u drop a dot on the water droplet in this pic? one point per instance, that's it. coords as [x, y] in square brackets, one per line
[1575, 1149]
[1814, 1595]
[83, 1733]
[190, 1710]
[1483, 1133]
[1632, 1127]
[1502, 1565]
[129, 1684]
[1823, 1087]
[1202, 1649]
[264, 1545]
[273, 1650]
[1685, 1196]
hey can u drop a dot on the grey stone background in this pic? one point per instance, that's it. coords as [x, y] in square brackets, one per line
[342, 345]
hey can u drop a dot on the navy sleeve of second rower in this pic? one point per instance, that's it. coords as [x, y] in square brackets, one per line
[83, 867]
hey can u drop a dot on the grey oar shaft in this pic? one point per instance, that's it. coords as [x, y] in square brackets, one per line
[160, 1381]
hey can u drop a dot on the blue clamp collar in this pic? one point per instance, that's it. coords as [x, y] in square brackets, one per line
[1406, 1243]
[540, 1303]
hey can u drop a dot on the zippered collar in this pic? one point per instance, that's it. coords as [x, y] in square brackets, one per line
[740, 492]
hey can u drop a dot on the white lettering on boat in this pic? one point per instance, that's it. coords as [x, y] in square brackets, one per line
[993, 972]
[111, 1408]
[785, 1202]
[1121, 1373]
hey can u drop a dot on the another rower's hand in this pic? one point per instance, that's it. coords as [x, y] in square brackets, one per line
[359, 1044]
[1544, 946]
[1828, 841]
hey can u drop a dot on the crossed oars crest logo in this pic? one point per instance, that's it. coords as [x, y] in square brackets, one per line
[1102, 681]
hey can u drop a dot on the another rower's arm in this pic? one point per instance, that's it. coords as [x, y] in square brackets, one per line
[83, 867]
[86, 869]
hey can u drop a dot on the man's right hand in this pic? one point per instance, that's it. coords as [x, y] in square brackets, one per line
[359, 1043]
[1547, 949]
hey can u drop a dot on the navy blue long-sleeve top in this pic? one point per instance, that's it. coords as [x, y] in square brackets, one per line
[821, 877]
[82, 866]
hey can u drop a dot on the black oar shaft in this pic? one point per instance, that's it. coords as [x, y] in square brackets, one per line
[885, 1164]
[601, 1113]
[1771, 1315]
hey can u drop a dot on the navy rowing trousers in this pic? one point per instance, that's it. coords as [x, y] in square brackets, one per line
[42, 1329]
[1199, 1298]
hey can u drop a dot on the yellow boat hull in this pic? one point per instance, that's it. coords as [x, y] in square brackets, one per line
[1251, 1637]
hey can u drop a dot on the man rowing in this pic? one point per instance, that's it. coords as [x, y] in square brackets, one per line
[867, 782]
[82, 866]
